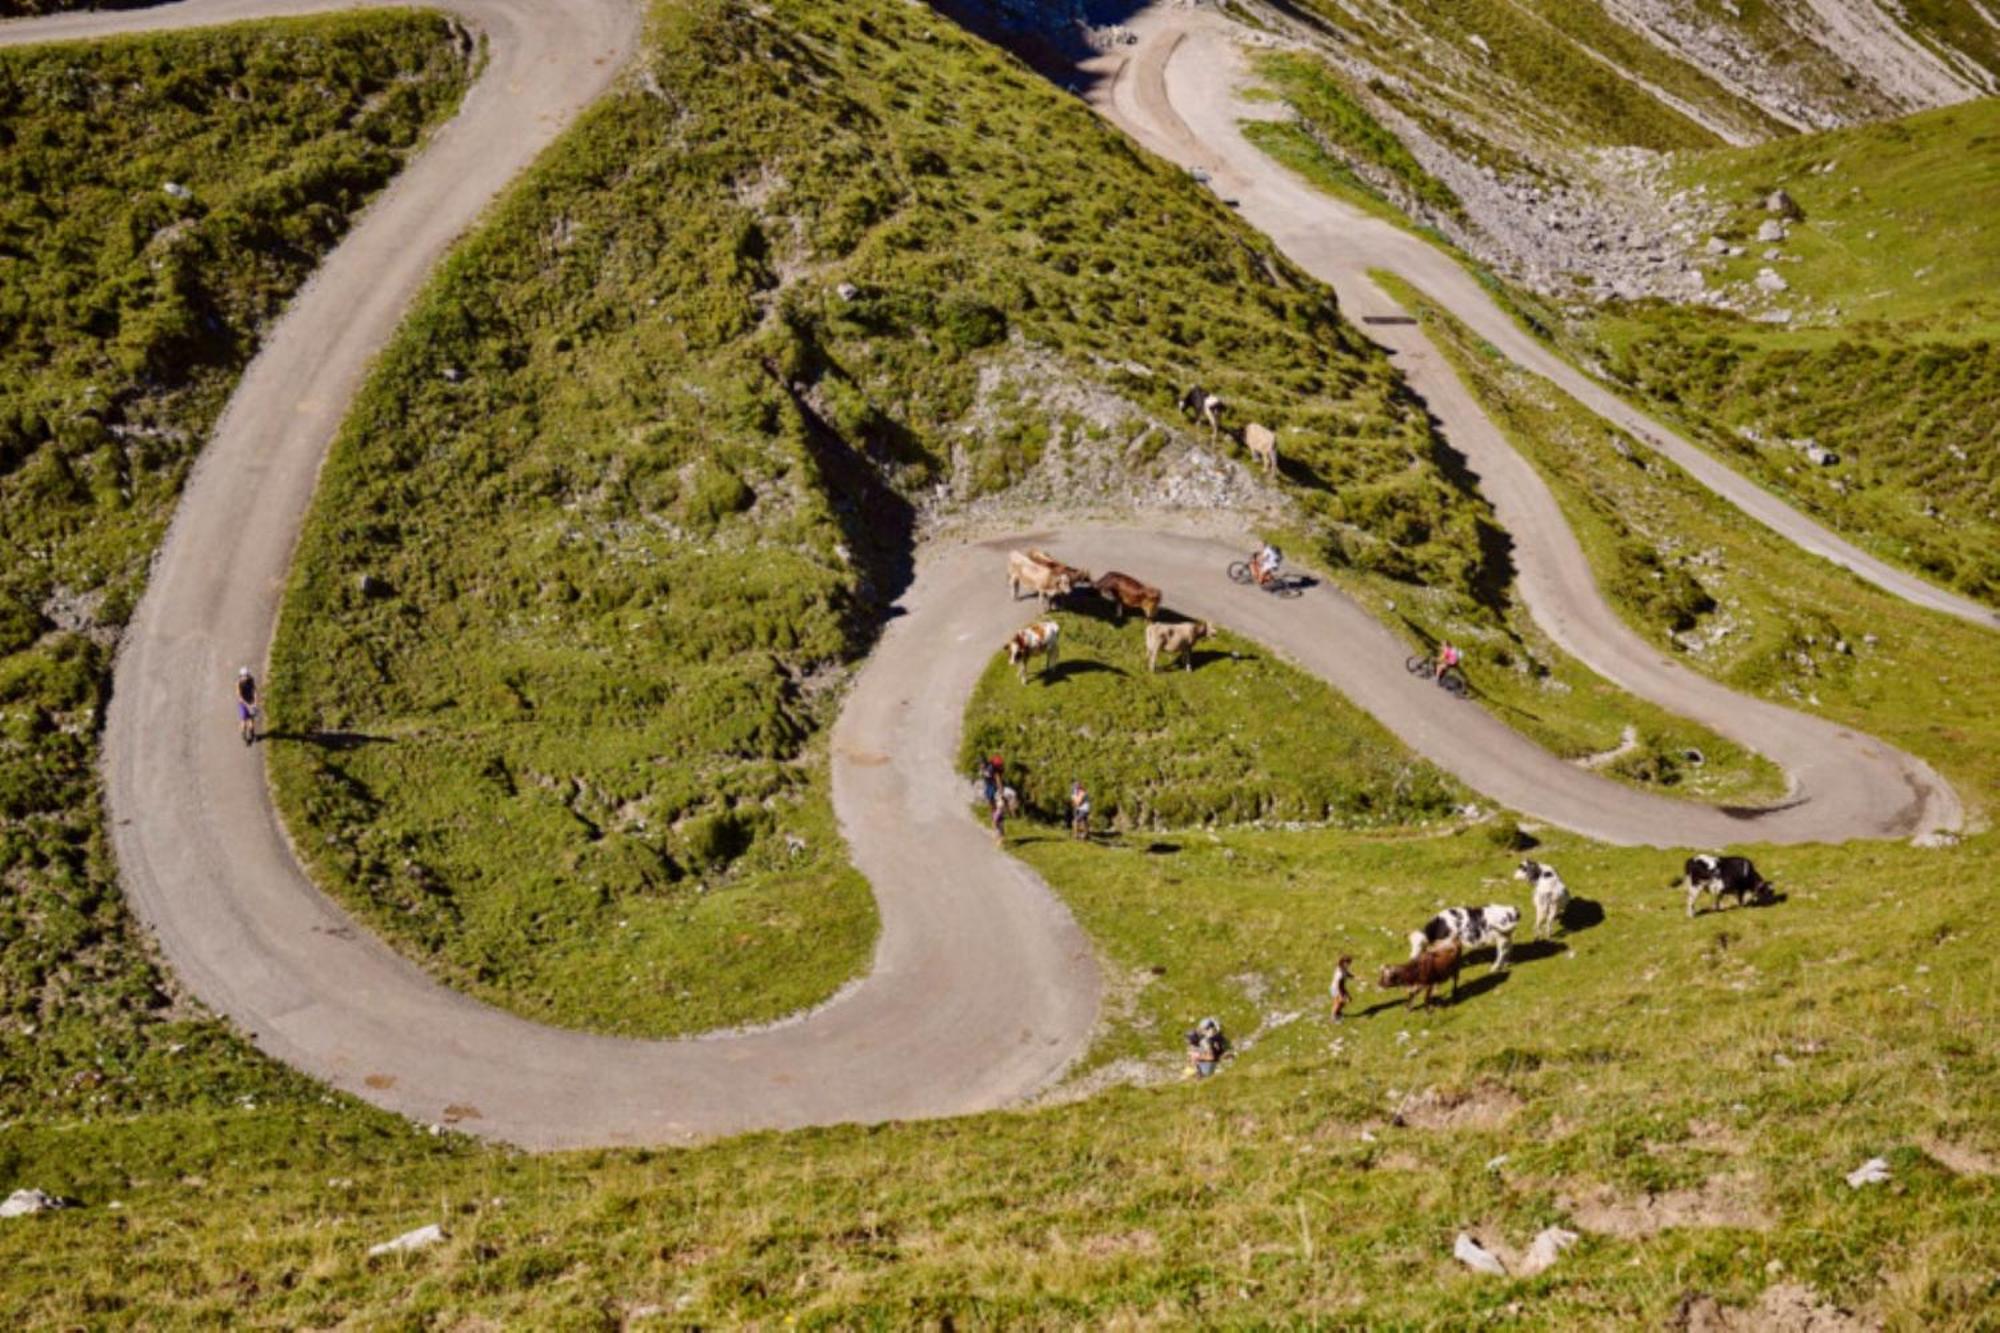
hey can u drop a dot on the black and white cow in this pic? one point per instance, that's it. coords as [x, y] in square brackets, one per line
[1470, 928]
[1724, 877]
[1551, 895]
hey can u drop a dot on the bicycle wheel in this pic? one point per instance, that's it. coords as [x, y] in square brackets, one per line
[1240, 572]
[1454, 683]
[1285, 588]
[1418, 666]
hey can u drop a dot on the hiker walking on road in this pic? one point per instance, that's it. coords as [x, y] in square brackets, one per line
[246, 704]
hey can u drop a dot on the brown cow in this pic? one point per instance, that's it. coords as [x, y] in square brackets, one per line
[1128, 594]
[1037, 638]
[1077, 577]
[1427, 970]
[1174, 641]
[1024, 571]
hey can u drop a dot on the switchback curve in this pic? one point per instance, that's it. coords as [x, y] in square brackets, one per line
[983, 988]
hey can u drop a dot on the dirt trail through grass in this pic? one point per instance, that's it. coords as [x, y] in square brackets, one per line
[1178, 92]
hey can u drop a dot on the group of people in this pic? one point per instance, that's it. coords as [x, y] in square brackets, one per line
[1002, 800]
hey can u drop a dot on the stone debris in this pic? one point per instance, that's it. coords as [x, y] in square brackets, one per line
[1769, 280]
[420, 1239]
[1874, 1171]
[1781, 203]
[1545, 1249]
[176, 190]
[1771, 230]
[26, 1203]
[1477, 1257]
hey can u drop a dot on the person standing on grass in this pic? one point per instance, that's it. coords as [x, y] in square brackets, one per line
[1206, 1046]
[1000, 817]
[1079, 811]
[246, 704]
[989, 778]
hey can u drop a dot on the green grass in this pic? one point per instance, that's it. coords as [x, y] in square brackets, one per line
[126, 315]
[1896, 364]
[1340, 127]
[1773, 1049]
[1243, 737]
[629, 495]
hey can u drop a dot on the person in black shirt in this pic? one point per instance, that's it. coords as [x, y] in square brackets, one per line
[246, 704]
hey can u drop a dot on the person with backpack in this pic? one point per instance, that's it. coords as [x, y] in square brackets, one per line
[1206, 1046]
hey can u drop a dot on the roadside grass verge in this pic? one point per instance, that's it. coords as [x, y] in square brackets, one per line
[629, 495]
[1243, 738]
[1893, 358]
[127, 312]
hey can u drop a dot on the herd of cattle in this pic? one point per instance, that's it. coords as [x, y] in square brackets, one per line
[1438, 949]
[1048, 578]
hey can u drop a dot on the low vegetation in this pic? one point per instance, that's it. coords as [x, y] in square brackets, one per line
[1244, 738]
[162, 198]
[1892, 360]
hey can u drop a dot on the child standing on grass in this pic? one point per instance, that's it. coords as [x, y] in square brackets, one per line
[1079, 811]
[1343, 972]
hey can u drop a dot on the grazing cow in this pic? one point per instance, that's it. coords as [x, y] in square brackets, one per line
[1425, 971]
[1551, 895]
[1199, 404]
[1078, 578]
[1128, 594]
[1037, 638]
[1174, 641]
[1024, 571]
[1724, 876]
[1470, 928]
[1262, 443]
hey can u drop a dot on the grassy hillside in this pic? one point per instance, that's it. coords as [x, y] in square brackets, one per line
[1894, 278]
[631, 493]
[126, 313]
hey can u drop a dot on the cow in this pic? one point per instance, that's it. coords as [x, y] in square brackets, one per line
[1078, 577]
[1724, 876]
[1469, 928]
[1174, 641]
[1551, 895]
[1200, 404]
[1427, 969]
[1024, 571]
[1037, 638]
[1262, 442]
[1127, 594]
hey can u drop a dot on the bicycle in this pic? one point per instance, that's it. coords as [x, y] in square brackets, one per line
[1454, 682]
[1279, 585]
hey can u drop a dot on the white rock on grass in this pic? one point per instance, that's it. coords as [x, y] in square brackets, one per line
[1769, 280]
[176, 190]
[1874, 1171]
[1545, 1249]
[26, 1203]
[1477, 1257]
[1771, 230]
[420, 1239]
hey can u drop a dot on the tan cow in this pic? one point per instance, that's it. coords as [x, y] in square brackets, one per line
[1037, 638]
[1077, 577]
[1262, 442]
[1046, 582]
[1174, 641]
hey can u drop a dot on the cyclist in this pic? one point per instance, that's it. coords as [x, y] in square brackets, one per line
[1447, 658]
[1264, 565]
[246, 704]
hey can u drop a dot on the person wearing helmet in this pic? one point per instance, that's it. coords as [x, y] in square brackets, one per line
[246, 704]
[1206, 1046]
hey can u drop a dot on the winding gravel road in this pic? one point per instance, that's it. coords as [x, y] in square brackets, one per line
[983, 989]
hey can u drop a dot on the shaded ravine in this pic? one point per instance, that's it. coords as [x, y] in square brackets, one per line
[1178, 93]
[983, 989]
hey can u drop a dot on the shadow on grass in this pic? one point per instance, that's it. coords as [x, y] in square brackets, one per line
[337, 741]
